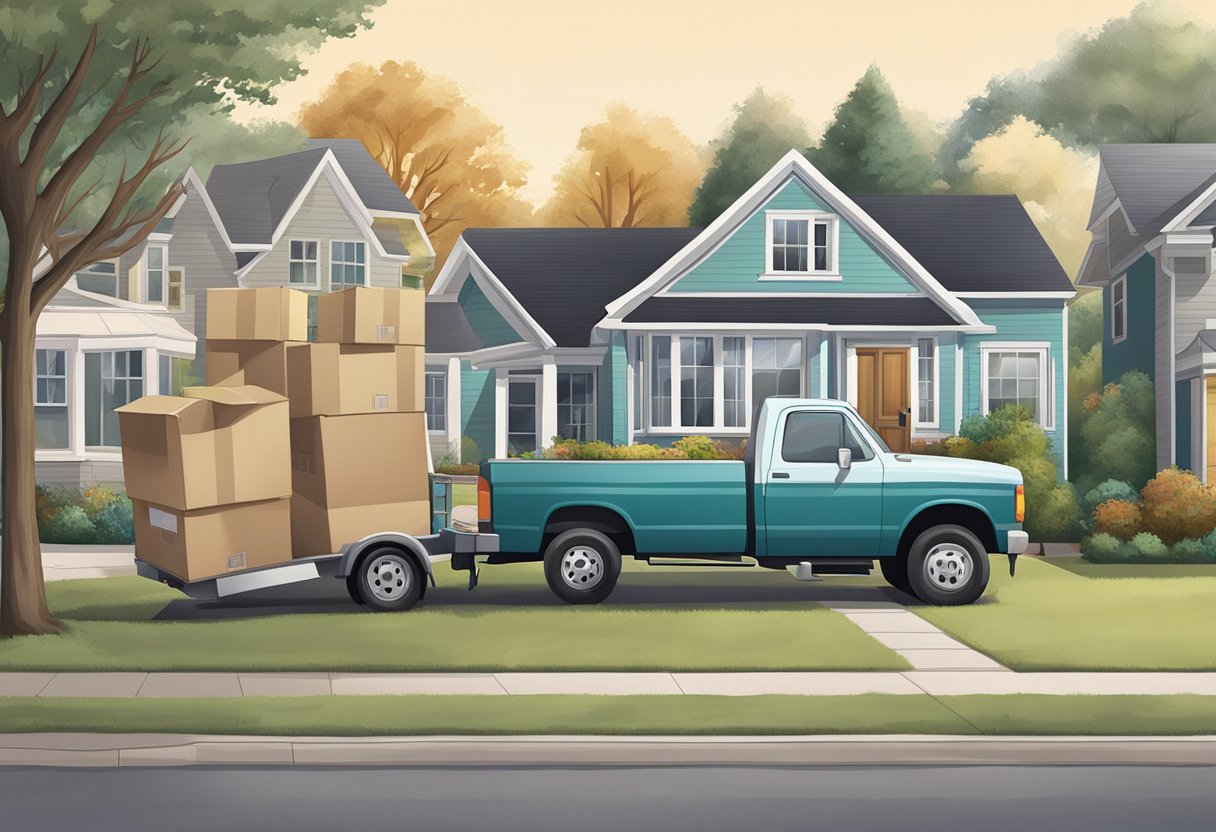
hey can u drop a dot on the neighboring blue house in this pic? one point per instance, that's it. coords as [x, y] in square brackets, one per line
[1153, 214]
[919, 310]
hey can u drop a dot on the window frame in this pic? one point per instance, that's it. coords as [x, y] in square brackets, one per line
[1118, 309]
[1047, 389]
[936, 411]
[442, 397]
[592, 423]
[364, 265]
[812, 217]
[181, 287]
[145, 262]
[102, 378]
[63, 406]
[304, 262]
[85, 268]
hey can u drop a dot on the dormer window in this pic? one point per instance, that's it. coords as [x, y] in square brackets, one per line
[801, 245]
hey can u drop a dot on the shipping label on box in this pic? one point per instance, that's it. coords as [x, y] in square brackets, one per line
[348, 379]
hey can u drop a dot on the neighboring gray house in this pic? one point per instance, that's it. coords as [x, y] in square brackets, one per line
[1153, 214]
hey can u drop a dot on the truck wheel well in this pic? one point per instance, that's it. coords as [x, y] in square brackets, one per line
[968, 517]
[598, 518]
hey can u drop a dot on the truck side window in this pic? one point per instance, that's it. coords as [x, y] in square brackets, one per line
[816, 437]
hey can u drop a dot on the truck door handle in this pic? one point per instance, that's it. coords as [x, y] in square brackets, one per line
[780, 475]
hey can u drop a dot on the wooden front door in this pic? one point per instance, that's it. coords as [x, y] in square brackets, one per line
[883, 394]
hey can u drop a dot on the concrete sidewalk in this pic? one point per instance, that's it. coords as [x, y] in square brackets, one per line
[914, 682]
[143, 750]
[63, 563]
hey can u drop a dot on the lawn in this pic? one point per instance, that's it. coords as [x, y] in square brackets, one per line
[1090, 617]
[464, 494]
[693, 620]
[688, 715]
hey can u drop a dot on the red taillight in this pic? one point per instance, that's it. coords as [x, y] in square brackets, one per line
[483, 499]
[1019, 504]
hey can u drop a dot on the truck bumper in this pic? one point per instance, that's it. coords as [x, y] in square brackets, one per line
[1017, 543]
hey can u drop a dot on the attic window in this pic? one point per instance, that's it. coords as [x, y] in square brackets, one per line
[801, 244]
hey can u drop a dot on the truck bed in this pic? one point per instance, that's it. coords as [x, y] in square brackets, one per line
[673, 506]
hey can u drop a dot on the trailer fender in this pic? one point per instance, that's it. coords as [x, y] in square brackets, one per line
[351, 552]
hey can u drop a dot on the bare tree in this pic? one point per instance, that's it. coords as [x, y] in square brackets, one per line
[34, 218]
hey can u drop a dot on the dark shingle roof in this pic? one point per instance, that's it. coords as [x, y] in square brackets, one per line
[971, 243]
[786, 310]
[448, 330]
[373, 184]
[1154, 182]
[565, 277]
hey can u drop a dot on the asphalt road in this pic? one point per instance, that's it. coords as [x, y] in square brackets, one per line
[902, 799]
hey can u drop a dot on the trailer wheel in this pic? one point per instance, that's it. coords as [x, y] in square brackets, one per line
[947, 566]
[582, 566]
[386, 580]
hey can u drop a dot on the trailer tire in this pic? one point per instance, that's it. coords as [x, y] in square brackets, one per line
[947, 566]
[582, 566]
[386, 579]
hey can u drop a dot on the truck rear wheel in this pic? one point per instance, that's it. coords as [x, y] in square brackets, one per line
[947, 566]
[582, 566]
[386, 580]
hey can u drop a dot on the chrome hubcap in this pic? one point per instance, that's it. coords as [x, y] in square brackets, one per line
[582, 568]
[389, 577]
[948, 567]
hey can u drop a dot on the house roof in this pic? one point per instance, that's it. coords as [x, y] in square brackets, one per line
[971, 243]
[373, 184]
[1155, 182]
[448, 330]
[827, 311]
[564, 277]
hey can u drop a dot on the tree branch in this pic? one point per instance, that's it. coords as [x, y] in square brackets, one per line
[47, 131]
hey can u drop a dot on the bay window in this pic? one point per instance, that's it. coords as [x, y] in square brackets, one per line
[51, 399]
[111, 379]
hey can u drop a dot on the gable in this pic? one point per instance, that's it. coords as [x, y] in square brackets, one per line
[737, 264]
[489, 324]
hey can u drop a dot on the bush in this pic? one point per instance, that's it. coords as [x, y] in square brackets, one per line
[449, 465]
[115, 523]
[1176, 505]
[1118, 434]
[97, 515]
[1104, 548]
[1149, 547]
[688, 447]
[1187, 551]
[1209, 548]
[470, 451]
[1118, 518]
[699, 447]
[1108, 490]
[71, 525]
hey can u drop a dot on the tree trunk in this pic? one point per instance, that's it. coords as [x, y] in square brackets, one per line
[23, 609]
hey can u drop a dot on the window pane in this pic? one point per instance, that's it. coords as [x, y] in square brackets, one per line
[697, 381]
[51, 428]
[812, 437]
[156, 257]
[788, 352]
[660, 382]
[821, 234]
[778, 258]
[821, 259]
[778, 232]
[297, 249]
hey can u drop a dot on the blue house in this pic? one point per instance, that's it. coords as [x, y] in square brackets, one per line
[919, 310]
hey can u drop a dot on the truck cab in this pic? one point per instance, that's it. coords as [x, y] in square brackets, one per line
[818, 492]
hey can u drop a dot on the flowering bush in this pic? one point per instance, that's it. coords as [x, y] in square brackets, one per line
[97, 515]
[1108, 490]
[1118, 518]
[1176, 505]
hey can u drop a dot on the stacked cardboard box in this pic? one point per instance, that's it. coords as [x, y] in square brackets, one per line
[250, 332]
[208, 474]
[358, 432]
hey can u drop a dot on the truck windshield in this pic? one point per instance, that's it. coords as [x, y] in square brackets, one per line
[882, 446]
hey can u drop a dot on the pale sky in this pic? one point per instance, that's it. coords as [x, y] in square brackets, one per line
[545, 68]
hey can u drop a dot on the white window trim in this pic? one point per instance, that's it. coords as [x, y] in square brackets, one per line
[914, 363]
[717, 429]
[329, 270]
[290, 260]
[147, 272]
[1121, 282]
[436, 372]
[828, 275]
[65, 378]
[1047, 386]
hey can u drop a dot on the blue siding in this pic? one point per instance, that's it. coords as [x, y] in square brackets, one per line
[490, 326]
[1135, 352]
[1182, 415]
[615, 401]
[1037, 321]
[737, 263]
[477, 409]
[946, 349]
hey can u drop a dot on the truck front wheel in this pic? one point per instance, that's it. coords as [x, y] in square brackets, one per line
[947, 566]
[581, 566]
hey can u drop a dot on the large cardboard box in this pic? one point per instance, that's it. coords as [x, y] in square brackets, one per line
[361, 460]
[209, 447]
[272, 313]
[260, 363]
[347, 379]
[317, 530]
[215, 541]
[368, 315]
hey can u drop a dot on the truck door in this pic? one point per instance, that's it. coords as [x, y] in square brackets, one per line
[812, 506]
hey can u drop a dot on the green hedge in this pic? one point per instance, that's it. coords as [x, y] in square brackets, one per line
[97, 515]
[1171, 520]
[688, 447]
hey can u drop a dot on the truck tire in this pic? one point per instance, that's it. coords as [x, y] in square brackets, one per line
[947, 566]
[386, 580]
[895, 572]
[582, 566]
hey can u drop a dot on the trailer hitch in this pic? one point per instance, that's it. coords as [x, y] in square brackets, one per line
[1013, 562]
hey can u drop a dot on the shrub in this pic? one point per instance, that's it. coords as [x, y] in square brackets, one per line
[1118, 518]
[1176, 505]
[470, 451]
[1209, 548]
[1149, 547]
[1104, 548]
[1117, 433]
[1187, 551]
[71, 525]
[95, 515]
[699, 447]
[1058, 516]
[1108, 490]
[115, 523]
[688, 447]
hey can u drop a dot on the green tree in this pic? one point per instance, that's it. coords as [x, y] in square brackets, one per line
[869, 149]
[765, 128]
[93, 102]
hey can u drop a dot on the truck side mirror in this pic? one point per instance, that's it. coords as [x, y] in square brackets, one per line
[844, 458]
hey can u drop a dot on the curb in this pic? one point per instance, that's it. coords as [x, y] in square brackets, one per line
[159, 750]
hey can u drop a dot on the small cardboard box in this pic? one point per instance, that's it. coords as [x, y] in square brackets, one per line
[368, 315]
[260, 363]
[316, 530]
[210, 447]
[215, 541]
[348, 379]
[366, 459]
[271, 313]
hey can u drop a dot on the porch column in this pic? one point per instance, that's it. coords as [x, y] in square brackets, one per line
[453, 406]
[548, 401]
[500, 413]
[76, 405]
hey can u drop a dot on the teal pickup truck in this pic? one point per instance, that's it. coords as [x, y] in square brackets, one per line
[819, 493]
